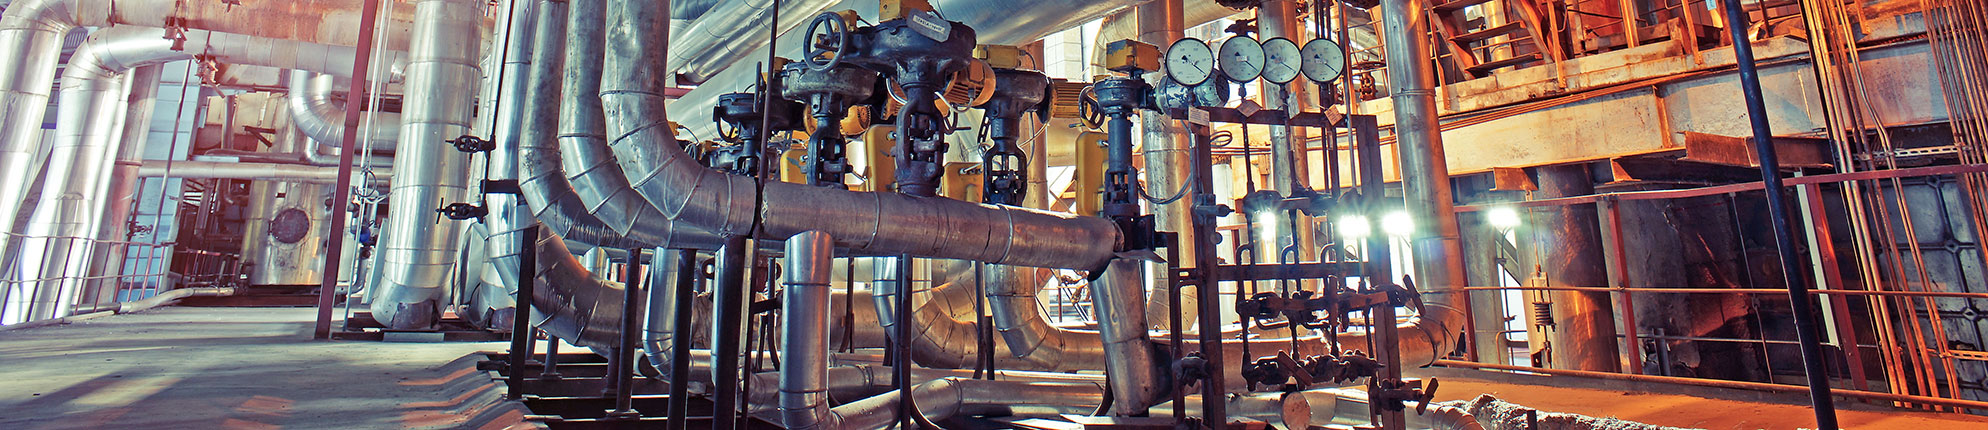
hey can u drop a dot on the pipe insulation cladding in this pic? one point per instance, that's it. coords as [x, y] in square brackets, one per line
[417, 247]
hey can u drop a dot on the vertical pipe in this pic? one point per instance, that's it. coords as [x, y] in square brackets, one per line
[730, 310]
[804, 334]
[521, 325]
[631, 324]
[369, 15]
[1784, 239]
[1169, 165]
[1419, 144]
[1120, 303]
[686, 280]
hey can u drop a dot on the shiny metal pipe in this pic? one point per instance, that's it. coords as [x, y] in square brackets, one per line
[945, 333]
[418, 245]
[588, 162]
[947, 397]
[1425, 174]
[862, 222]
[1011, 298]
[552, 199]
[120, 198]
[884, 289]
[721, 37]
[255, 171]
[508, 217]
[804, 333]
[81, 154]
[1118, 298]
[570, 303]
[1169, 164]
[1279, 18]
[315, 112]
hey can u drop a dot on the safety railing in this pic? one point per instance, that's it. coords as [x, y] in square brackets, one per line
[95, 276]
[1911, 344]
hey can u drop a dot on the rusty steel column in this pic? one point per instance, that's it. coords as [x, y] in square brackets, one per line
[1572, 256]
[369, 14]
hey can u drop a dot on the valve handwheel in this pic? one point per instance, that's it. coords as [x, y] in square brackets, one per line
[827, 37]
[1089, 110]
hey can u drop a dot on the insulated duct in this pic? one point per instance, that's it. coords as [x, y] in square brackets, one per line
[948, 397]
[862, 222]
[417, 244]
[1438, 247]
[315, 112]
[944, 333]
[1119, 300]
[507, 216]
[121, 197]
[81, 155]
[254, 171]
[804, 335]
[589, 164]
[31, 32]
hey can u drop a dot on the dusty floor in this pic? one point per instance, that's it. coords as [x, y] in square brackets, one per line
[1680, 406]
[234, 368]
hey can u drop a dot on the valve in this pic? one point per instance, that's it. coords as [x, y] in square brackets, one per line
[1190, 369]
[463, 211]
[472, 144]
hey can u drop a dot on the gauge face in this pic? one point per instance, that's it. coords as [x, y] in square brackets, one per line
[1189, 61]
[1241, 59]
[1323, 60]
[1280, 60]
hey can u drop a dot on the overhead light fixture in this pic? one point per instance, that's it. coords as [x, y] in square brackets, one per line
[1397, 224]
[1503, 217]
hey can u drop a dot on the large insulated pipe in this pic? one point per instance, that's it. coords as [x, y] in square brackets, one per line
[1419, 143]
[81, 155]
[252, 171]
[121, 197]
[1280, 18]
[720, 37]
[589, 163]
[1169, 165]
[418, 245]
[864, 222]
[1119, 297]
[315, 112]
[804, 336]
[32, 31]
[948, 397]
[508, 217]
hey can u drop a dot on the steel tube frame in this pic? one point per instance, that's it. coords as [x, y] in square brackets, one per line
[1784, 240]
[369, 17]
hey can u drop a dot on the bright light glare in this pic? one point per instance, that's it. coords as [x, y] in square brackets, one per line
[1266, 224]
[1397, 224]
[1503, 218]
[1353, 227]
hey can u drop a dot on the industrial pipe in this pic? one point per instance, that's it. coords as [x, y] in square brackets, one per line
[251, 171]
[417, 250]
[507, 217]
[314, 111]
[1425, 174]
[865, 222]
[120, 197]
[804, 334]
[948, 397]
[81, 155]
[1118, 299]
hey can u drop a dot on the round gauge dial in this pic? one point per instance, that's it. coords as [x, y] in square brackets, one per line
[1241, 59]
[1323, 61]
[1281, 60]
[1189, 61]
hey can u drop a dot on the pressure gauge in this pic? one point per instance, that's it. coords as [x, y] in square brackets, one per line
[1241, 59]
[1189, 61]
[1323, 61]
[1281, 60]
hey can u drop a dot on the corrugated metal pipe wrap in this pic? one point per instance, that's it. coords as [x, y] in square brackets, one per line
[570, 303]
[82, 153]
[588, 162]
[315, 113]
[943, 398]
[804, 334]
[553, 201]
[863, 222]
[1011, 299]
[1120, 299]
[508, 217]
[713, 42]
[418, 245]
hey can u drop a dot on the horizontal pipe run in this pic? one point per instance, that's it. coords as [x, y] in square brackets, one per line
[1714, 383]
[1740, 291]
[256, 171]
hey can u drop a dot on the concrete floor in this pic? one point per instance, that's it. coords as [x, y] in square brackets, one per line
[236, 368]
